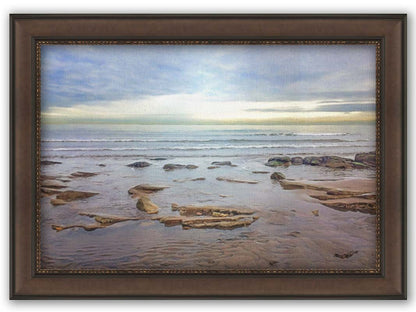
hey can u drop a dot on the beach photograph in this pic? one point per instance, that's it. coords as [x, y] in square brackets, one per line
[208, 158]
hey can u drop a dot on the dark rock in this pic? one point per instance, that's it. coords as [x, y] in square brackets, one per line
[296, 160]
[101, 165]
[313, 161]
[336, 162]
[49, 162]
[213, 167]
[158, 158]
[346, 255]
[139, 164]
[222, 163]
[278, 161]
[82, 174]
[169, 167]
[277, 176]
[366, 158]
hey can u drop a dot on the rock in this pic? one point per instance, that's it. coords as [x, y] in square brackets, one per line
[91, 227]
[143, 189]
[145, 204]
[58, 202]
[338, 192]
[49, 162]
[101, 165]
[346, 255]
[222, 163]
[82, 174]
[139, 164]
[49, 191]
[294, 234]
[74, 195]
[260, 172]
[315, 213]
[297, 185]
[158, 158]
[171, 221]
[108, 220]
[169, 167]
[185, 180]
[213, 167]
[277, 176]
[358, 165]
[220, 225]
[223, 223]
[335, 162]
[296, 160]
[366, 158]
[352, 204]
[313, 161]
[209, 210]
[52, 184]
[237, 180]
[191, 167]
[278, 161]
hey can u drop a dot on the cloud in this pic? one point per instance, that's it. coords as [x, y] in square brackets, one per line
[345, 107]
[118, 81]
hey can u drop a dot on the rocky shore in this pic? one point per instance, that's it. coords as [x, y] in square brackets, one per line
[226, 200]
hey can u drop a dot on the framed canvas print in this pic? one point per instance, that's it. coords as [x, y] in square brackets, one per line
[208, 156]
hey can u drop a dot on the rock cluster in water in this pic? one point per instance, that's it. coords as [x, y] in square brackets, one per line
[361, 161]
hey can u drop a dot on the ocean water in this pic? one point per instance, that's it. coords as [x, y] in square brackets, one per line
[109, 140]
[148, 244]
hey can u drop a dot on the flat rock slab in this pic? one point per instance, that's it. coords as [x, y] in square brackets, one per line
[232, 180]
[143, 189]
[68, 196]
[49, 162]
[210, 210]
[223, 223]
[52, 184]
[344, 195]
[223, 163]
[108, 220]
[191, 179]
[49, 191]
[82, 174]
[102, 222]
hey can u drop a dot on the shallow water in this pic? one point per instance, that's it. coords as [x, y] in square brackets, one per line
[148, 244]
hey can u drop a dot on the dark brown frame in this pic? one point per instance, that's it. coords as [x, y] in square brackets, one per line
[27, 30]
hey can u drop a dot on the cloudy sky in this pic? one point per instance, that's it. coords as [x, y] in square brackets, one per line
[180, 84]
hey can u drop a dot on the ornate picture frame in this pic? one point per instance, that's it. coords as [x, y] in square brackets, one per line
[386, 32]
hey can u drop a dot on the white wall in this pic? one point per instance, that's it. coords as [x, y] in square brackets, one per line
[210, 6]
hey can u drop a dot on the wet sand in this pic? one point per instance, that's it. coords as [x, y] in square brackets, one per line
[286, 235]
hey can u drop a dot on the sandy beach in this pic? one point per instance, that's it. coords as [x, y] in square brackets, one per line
[208, 213]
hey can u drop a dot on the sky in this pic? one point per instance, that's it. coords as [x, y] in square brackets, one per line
[197, 84]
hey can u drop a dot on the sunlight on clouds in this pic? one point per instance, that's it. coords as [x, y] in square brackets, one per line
[191, 108]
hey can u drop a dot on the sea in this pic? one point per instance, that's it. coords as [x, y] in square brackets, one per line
[149, 141]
